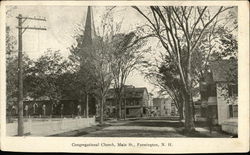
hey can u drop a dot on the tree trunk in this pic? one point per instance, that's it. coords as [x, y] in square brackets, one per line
[117, 109]
[87, 105]
[189, 122]
[180, 110]
[193, 111]
[120, 108]
[81, 102]
[119, 95]
[101, 110]
[125, 109]
[117, 105]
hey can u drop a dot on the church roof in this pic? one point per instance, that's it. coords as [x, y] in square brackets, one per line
[89, 28]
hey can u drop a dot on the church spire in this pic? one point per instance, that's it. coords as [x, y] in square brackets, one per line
[89, 31]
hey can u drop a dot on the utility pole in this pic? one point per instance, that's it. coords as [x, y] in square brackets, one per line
[21, 30]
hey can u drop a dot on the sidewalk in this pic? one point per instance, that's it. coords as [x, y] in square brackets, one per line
[217, 134]
[203, 132]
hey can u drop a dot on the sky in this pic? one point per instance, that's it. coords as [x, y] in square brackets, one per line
[62, 23]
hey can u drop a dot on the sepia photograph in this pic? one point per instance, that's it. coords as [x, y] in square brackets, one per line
[122, 71]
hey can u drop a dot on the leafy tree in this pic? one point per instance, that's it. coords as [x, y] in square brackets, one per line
[92, 55]
[44, 78]
[165, 76]
[97, 68]
[84, 76]
[12, 67]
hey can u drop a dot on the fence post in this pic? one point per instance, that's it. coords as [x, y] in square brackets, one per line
[94, 120]
[29, 125]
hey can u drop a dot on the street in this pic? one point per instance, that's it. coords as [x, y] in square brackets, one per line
[141, 128]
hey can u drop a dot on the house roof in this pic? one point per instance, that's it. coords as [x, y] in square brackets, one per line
[159, 101]
[130, 92]
[224, 70]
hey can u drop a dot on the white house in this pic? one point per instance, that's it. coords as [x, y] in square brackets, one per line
[224, 74]
[164, 107]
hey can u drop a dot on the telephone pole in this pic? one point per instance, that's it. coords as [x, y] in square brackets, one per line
[21, 30]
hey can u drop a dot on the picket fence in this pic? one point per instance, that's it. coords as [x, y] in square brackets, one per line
[50, 126]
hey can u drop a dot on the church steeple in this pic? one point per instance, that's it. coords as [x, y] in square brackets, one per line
[89, 31]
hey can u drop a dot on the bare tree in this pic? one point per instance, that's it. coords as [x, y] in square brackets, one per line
[125, 54]
[180, 29]
[101, 68]
[125, 57]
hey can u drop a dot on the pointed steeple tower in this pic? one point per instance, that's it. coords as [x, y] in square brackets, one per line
[89, 31]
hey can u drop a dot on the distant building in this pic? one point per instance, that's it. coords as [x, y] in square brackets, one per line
[164, 107]
[134, 103]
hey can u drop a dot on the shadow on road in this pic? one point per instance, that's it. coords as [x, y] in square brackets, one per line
[174, 124]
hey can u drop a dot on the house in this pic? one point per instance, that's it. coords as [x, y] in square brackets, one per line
[225, 78]
[134, 103]
[164, 107]
[219, 95]
[44, 107]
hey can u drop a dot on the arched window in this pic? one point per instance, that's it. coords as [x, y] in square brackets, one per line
[26, 109]
[44, 109]
[35, 106]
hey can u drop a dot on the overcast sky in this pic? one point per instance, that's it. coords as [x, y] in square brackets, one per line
[62, 23]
